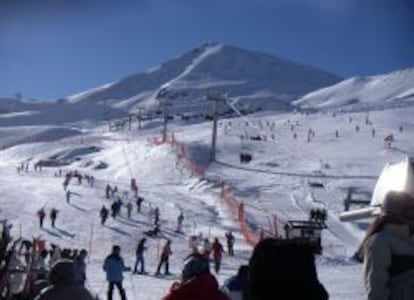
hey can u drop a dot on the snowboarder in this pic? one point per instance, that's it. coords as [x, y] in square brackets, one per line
[53, 216]
[164, 259]
[41, 214]
[230, 243]
[180, 220]
[140, 256]
[103, 213]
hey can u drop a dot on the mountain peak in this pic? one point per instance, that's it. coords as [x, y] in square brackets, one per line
[256, 80]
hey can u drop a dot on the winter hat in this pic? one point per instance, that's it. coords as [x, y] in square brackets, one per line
[62, 271]
[194, 266]
[397, 204]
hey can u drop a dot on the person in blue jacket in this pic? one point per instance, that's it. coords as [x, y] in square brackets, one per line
[114, 266]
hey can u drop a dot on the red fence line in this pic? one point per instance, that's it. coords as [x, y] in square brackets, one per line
[234, 205]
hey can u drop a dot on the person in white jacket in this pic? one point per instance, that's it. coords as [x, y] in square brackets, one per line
[389, 250]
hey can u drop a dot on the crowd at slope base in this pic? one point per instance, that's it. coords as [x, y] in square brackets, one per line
[387, 253]
[30, 271]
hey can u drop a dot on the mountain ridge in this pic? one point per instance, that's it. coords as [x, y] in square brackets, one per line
[214, 66]
[364, 92]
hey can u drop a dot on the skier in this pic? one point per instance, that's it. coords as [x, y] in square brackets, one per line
[53, 216]
[114, 209]
[66, 181]
[139, 202]
[41, 214]
[134, 187]
[108, 191]
[180, 220]
[68, 193]
[80, 267]
[217, 251]
[129, 209]
[241, 212]
[114, 266]
[103, 213]
[140, 256]
[230, 243]
[156, 216]
[164, 259]
[118, 205]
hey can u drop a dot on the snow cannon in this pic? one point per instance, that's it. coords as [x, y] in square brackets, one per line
[394, 177]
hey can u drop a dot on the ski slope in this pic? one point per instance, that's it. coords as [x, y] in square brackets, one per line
[274, 183]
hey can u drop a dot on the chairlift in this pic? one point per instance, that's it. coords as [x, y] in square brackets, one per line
[245, 157]
[245, 154]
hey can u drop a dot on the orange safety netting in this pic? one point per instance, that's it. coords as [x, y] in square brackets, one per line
[234, 205]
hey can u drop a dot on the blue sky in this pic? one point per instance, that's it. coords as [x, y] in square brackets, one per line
[55, 48]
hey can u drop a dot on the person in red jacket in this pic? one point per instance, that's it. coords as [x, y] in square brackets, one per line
[196, 282]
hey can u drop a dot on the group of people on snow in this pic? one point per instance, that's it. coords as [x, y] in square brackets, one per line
[41, 214]
[29, 270]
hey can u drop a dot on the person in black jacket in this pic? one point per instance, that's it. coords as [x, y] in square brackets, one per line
[53, 216]
[62, 283]
[283, 267]
[140, 256]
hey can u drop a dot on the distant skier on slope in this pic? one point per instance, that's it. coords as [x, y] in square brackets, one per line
[230, 243]
[53, 216]
[217, 251]
[41, 214]
[129, 209]
[139, 203]
[103, 213]
[180, 220]
[164, 259]
[140, 257]
[68, 193]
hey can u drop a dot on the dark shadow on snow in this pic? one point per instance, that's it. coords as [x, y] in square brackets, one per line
[78, 207]
[118, 230]
[51, 232]
[66, 233]
[130, 222]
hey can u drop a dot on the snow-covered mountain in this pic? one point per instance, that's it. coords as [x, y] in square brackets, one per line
[255, 80]
[291, 171]
[388, 90]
